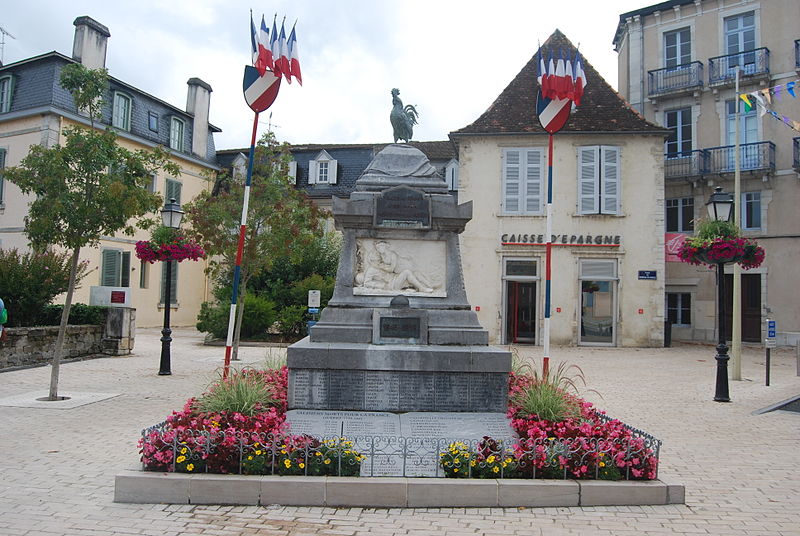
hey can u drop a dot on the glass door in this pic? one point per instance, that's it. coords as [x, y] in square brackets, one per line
[598, 285]
[519, 312]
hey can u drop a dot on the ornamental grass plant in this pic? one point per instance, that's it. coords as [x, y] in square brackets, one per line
[243, 392]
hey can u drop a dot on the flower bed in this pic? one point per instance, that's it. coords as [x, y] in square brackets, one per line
[588, 445]
[168, 245]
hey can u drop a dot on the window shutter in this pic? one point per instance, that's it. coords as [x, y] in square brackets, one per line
[293, 171]
[312, 172]
[588, 177]
[610, 180]
[173, 286]
[511, 180]
[173, 191]
[332, 167]
[533, 181]
[109, 273]
[125, 271]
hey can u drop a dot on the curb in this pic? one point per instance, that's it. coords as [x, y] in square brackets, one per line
[386, 492]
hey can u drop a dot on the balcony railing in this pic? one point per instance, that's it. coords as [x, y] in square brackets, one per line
[685, 164]
[722, 69]
[759, 156]
[676, 79]
[796, 153]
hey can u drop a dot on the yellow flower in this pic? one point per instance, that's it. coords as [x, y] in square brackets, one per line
[302, 465]
[602, 464]
[180, 459]
[327, 461]
[318, 454]
[249, 457]
[490, 459]
[190, 467]
[495, 469]
[283, 451]
[255, 444]
[183, 450]
[287, 463]
[457, 460]
[472, 463]
[455, 470]
[258, 453]
[508, 460]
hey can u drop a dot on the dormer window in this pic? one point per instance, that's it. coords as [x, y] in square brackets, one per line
[6, 92]
[451, 175]
[176, 134]
[121, 115]
[322, 170]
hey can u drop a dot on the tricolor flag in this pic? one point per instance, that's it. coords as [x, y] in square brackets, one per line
[579, 79]
[542, 70]
[294, 57]
[275, 46]
[561, 79]
[254, 44]
[548, 80]
[264, 50]
[260, 91]
[570, 82]
[284, 57]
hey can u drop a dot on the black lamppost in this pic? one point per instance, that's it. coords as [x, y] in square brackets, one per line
[720, 208]
[171, 216]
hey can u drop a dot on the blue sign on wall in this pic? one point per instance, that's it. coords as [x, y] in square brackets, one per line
[771, 329]
[647, 274]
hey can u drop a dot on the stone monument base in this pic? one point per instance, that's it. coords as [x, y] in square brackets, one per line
[397, 378]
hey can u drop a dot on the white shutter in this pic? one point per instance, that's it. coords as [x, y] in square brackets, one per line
[533, 181]
[293, 171]
[511, 180]
[588, 180]
[109, 271]
[610, 180]
[312, 172]
[332, 167]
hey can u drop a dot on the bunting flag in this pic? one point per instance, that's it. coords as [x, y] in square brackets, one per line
[762, 99]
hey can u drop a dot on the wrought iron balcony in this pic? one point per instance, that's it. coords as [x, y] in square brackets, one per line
[753, 64]
[685, 164]
[755, 157]
[675, 80]
[796, 153]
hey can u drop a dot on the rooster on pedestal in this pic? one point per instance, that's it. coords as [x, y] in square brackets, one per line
[403, 118]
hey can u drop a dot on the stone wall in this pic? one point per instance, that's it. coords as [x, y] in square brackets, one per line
[32, 346]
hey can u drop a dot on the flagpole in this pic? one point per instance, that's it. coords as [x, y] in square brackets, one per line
[239, 251]
[736, 316]
[548, 257]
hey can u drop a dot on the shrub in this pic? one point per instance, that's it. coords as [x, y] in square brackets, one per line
[29, 281]
[313, 282]
[291, 321]
[258, 316]
[79, 314]
[247, 392]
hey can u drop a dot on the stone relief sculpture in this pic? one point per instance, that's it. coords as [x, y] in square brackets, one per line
[385, 270]
[403, 118]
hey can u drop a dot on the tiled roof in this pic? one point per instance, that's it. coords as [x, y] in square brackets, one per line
[602, 109]
[434, 150]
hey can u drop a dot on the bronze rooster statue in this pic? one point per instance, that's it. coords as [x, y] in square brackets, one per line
[403, 118]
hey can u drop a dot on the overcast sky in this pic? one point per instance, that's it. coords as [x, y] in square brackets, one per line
[449, 58]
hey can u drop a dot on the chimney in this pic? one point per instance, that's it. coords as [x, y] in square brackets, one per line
[198, 100]
[89, 46]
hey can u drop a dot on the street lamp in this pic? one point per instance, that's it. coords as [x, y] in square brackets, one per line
[720, 208]
[171, 216]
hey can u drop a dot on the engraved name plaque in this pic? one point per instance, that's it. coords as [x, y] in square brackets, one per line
[403, 207]
[399, 327]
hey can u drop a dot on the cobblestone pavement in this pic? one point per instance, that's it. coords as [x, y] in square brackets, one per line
[740, 470]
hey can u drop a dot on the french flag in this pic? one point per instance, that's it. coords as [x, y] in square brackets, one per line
[284, 57]
[254, 45]
[264, 50]
[580, 80]
[542, 70]
[275, 47]
[561, 79]
[294, 57]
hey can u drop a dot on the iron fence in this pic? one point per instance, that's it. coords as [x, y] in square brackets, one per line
[675, 79]
[722, 69]
[203, 451]
[759, 156]
[685, 164]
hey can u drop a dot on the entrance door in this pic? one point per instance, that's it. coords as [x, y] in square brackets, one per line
[520, 311]
[751, 307]
[598, 284]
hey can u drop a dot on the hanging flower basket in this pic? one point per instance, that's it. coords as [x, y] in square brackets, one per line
[168, 245]
[722, 250]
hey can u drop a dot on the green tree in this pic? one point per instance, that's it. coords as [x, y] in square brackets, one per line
[86, 188]
[280, 220]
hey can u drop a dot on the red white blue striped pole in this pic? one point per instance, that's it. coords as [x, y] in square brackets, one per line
[548, 257]
[239, 251]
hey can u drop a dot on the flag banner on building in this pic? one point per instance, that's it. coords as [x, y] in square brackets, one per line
[561, 82]
[763, 100]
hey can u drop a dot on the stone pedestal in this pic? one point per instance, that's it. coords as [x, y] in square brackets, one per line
[399, 334]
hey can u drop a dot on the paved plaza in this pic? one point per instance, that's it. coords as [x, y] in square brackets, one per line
[740, 470]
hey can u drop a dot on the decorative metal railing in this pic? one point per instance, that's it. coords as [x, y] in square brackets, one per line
[675, 79]
[759, 156]
[201, 451]
[722, 69]
[685, 164]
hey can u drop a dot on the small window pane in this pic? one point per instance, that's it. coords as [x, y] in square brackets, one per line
[122, 112]
[152, 121]
[527, 268]
[176, 135]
